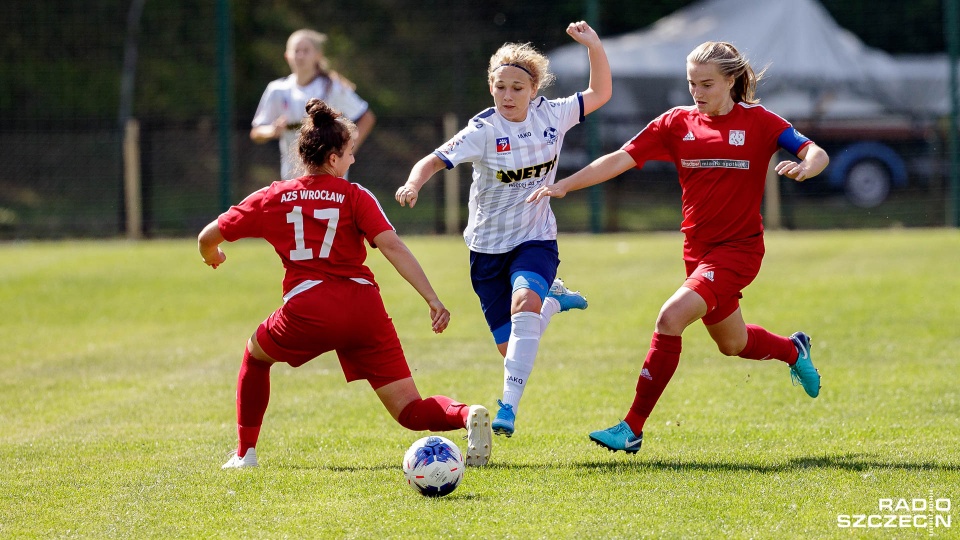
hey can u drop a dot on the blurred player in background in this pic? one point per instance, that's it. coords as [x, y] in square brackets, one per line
[281, 107]
[514, 147]
[317, 224]
[721, 147]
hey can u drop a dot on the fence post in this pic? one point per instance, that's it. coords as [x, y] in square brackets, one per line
[225, 91]
[592, 16]
[451, 183]
[133, 201]
[951, 21]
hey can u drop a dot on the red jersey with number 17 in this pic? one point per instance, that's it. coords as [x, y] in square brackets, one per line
[722, 164]
[316, 224]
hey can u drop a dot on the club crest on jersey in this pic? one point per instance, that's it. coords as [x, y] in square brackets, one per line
[550, 135]
[737, 137]
[503, 145]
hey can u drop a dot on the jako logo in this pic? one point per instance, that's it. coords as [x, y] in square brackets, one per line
[517, 380]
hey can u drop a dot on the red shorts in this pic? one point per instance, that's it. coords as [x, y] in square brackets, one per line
[337, 315]
[719, 273]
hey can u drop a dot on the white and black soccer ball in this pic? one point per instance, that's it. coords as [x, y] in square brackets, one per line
[433, 466]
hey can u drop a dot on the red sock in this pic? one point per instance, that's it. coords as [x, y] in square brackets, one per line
[248, 438]
[658, 369]
[436, 413]
[253, 394]
[763, 345]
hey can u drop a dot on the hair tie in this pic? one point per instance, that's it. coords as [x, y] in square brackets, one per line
[527, 71]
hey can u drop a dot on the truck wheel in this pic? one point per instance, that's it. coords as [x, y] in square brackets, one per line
[867, 183]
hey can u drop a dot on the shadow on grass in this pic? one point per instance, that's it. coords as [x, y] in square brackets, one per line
[844, 462]
[344, 468]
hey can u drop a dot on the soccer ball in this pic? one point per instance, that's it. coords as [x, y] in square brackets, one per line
[433, 466]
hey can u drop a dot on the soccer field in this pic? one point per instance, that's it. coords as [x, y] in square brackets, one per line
[119, 372]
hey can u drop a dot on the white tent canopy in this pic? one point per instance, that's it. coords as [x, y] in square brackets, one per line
[812, 64]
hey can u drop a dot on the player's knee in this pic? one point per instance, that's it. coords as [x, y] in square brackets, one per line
[670, 324]
[525, 300]
[730, 346]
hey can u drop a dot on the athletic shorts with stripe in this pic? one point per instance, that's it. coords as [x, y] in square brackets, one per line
[337, 315]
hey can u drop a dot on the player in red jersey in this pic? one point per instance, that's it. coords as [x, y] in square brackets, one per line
[317, 224]
[721, 147]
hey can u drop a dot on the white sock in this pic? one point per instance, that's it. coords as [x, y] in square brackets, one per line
[551, 306]
[521, 352]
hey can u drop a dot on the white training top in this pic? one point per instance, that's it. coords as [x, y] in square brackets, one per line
[510, 160]
[284, 97]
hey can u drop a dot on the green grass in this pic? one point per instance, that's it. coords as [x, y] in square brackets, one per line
[119, 367]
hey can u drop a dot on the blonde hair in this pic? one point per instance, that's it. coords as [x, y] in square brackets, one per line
[526, 57]
[318, 40]
[731, 64]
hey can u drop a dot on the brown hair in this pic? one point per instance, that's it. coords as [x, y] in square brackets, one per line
[324, 131]
[731, 64]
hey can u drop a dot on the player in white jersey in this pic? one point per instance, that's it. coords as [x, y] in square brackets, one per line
[280, 112]
[514, 148]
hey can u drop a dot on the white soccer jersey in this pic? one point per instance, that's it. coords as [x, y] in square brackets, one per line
[510, 160]
[284, 97]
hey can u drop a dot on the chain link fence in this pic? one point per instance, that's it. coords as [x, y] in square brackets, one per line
[62, 175]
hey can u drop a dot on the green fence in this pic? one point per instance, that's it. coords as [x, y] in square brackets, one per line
[61, 144]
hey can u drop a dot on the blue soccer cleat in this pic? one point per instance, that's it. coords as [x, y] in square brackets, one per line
[503, 423]
[568, 299]
[802, 371]
[619, 437]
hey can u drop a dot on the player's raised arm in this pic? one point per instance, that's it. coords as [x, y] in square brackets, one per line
[600, 88]
[409, 268]
[602, 169]
[421, 172]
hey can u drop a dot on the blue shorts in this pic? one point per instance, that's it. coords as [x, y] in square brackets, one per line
[492, 277]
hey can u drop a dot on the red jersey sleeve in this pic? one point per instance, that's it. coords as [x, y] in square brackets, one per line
[245, 219]
[650, 143]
